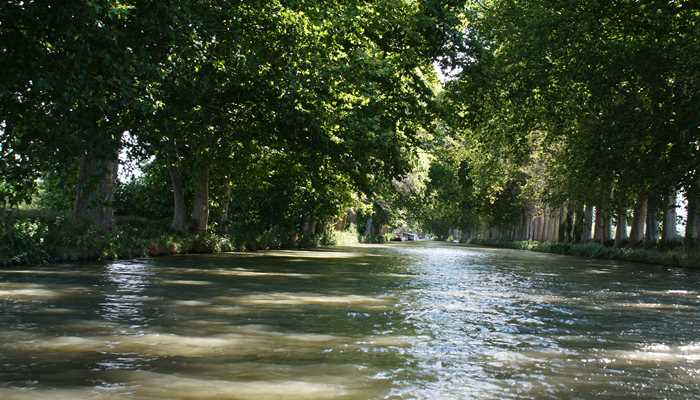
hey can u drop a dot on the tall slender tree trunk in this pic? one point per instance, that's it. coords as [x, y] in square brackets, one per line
[94, 194]
[564, 230]
[602, 226]
[652, 232]
[179, 221]
[621, 230]
[578, 223]
[543, 227]
[690, 221]
[669, 232]
[639, 219]
[587, 223]
[556, 220]
[225, 202]
[200, 204]
[545, 224]
[368, 228]
[693, 219]
[524, 226]
[598, 234]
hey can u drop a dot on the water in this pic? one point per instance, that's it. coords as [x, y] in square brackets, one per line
[405, 321]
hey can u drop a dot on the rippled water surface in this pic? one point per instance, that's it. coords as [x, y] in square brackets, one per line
[420, 320]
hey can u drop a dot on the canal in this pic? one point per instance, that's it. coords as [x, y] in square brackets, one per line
[421, 320]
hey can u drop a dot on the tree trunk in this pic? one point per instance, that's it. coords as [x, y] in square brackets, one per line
[669, 232]
[308, 229]
[693, 219]
[545, 224]
[94, 194]
[598, 234]
[200, 204]
[578, 224]
[621, 230]
[602, 226]
[553, 225]
[587, 223]
[368, 228]
[607, 219]
[639, 219]
[179, 222]
[566, 230]
[652, 231]
[557, 224]
[225, 202]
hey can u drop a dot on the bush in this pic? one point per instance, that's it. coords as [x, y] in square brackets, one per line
[206, 243]
[346, 237]
[34, 237]
[39, 236]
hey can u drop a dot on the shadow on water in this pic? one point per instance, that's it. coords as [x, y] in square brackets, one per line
[301, 324]
[420, 320]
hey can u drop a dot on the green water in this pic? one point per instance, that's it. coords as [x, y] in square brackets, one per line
[404, 321]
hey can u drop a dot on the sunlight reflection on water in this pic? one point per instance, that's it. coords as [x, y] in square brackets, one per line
[404, 321]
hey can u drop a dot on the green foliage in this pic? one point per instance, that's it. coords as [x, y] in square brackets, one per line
[675, 258]
[581, 83]
[274, 114]
[265, 121]
[146, 196]
[346, 237]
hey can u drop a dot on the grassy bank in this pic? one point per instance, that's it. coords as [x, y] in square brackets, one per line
[37, 236]
[676, 257]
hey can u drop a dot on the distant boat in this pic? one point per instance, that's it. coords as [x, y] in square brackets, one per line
[405, 237]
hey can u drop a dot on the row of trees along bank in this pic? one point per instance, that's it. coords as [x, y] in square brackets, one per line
[267, 119]
[572, 224]
[566, 120]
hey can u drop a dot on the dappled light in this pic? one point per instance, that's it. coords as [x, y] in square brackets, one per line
[38, 292]
[300, 299]
[315, 254]
[372, 199]
[414, 321]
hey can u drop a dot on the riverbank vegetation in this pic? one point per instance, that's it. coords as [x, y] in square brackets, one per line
[574, 124]
[261, 123]
[678, 257]
[131, 129]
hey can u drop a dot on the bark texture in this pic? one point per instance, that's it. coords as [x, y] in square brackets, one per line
[587, 223]
[94, 195]
[670, 233]
[602, 226]
[200, 204]
[621, 231]
[639, 220]
[179, 222]
[693, 220]
[652, 232]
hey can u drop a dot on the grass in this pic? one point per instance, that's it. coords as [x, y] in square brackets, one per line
[675, 257]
